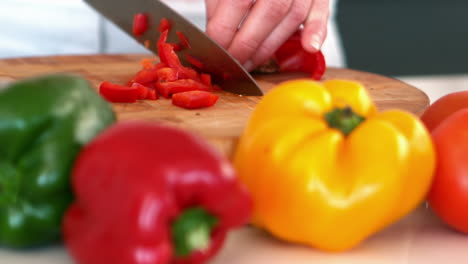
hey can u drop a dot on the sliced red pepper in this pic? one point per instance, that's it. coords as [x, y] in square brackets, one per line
[147, 76]
[167, 74]
[119, 93]
[194, 61]
[161, 45]
[166, 89]
[183, 39]
[140, 24]
[194, 99]
[205, 79]
[142, 90]
[164, 25]
[176, 46]
[152, 95]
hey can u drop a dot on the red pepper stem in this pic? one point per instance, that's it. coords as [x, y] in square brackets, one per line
[343, 119]
[191, 231]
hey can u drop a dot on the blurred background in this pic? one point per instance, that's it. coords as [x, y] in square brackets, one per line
[422, 42]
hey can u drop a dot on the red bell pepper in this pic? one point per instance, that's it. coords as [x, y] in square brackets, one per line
[194, 99]
[166, 89]
[119, 93]
[140, 24]
[148, 193]
[292, 57]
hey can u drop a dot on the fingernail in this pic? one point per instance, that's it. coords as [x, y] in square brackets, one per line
[248, 65]
[316, 43]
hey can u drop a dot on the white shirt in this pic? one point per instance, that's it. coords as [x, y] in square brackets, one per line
[51, 27]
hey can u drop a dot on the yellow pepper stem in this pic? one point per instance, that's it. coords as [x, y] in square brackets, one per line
[343, 119]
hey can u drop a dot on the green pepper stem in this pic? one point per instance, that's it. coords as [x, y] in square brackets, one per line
[191, 231]
[343, 119]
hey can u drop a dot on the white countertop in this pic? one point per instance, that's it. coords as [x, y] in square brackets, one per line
[420, 238]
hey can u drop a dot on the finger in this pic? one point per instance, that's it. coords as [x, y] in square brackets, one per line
[315, 27]
[210, 6]
[290, 24]
[260, 22]
[225, 20]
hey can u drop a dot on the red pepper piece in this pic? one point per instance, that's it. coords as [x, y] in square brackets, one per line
[142, 90]
[166, 89]
[183, 39]
[194, 61]
[161, 45]
[140, 24]
[205, 79]
[164, 25]
[118, 93]
[145, 92]
[147, 214]
[147, 76]
[194, 99]
[152, 95]
[176, 46]
[166, 74]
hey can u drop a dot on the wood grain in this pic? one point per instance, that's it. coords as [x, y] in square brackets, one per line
[221, 124]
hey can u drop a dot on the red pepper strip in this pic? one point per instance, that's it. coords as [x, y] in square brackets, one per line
[194, 99]
[145, 92]
[140, 24]
[152, 94]
[145, 212]
[161, 45]
[147, 76]
[166, 89]
[194, 61]
[167, 74]
[183, 39]
[172, 61]
[205, 79]
[142, 90]
[164, 25]
[176, 46]
[118, 93]
[168, 56]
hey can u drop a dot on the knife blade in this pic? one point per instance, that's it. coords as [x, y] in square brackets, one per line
[216, 60]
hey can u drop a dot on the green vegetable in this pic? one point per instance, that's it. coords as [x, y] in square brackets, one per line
[44, 122]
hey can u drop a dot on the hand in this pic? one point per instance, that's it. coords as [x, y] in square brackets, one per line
[267, 24]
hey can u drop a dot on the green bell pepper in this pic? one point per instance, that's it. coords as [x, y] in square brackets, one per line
[44, 122]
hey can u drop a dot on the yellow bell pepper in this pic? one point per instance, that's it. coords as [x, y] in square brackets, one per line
[326, 169]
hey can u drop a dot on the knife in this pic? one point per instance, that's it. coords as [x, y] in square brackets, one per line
[216, 60]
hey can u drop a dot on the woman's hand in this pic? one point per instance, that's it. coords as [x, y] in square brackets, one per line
[253, 30]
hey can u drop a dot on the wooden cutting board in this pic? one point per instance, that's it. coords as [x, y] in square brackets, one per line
[221, 124]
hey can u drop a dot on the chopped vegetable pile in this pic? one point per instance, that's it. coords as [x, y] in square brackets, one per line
[166, 78]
